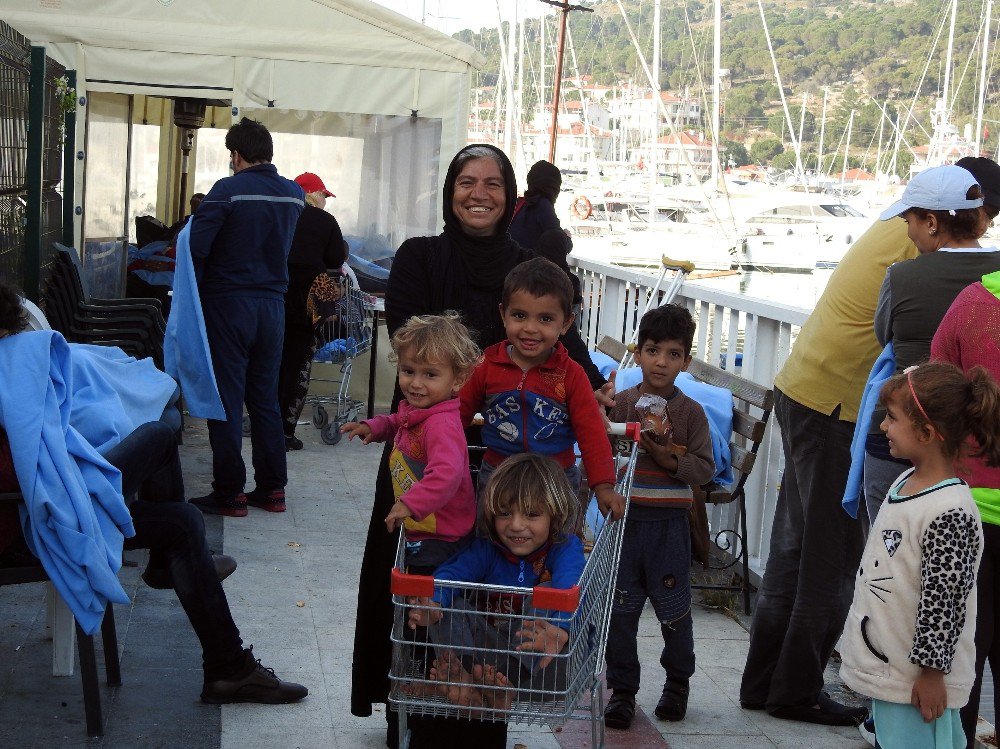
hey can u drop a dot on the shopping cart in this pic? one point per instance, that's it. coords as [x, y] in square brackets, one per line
[341, 337]
[477, 638]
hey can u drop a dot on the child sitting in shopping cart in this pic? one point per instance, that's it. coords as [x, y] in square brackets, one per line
[675, 455]
[429, 463]
[487, 643]
[533, 397]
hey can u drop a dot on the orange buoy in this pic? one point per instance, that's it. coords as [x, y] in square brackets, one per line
[581, 207]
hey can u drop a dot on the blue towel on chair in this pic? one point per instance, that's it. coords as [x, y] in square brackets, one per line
[883, 369]
[113, 393]
[74, 516]
[186, 355]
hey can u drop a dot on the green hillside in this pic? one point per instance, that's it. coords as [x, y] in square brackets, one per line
[867, 53]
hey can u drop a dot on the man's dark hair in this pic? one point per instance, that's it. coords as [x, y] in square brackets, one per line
[671, 322]
[13, 315]
[251, 140]
[540, 277]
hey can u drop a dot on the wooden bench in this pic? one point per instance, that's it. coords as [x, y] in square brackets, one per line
[752, 406]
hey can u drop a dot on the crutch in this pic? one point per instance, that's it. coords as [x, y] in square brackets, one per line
[679, 270]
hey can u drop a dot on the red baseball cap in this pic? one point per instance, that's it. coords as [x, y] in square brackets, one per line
[312, 183]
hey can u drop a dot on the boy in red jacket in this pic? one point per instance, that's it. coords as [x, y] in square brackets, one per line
[533, 397]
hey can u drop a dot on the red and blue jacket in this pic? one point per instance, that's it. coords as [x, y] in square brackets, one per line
[542, 410]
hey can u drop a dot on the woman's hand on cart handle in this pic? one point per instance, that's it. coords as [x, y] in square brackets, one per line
[609, 501]
[357, 429]
[397, 515]
[426, 616]
[539, 636]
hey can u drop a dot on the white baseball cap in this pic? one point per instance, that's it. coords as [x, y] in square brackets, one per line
[940, 188]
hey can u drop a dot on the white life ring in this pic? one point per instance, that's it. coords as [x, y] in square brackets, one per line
[581, 207]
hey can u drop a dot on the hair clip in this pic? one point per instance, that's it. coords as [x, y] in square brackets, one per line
[951, 211]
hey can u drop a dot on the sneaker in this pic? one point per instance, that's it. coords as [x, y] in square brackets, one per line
[620, 710]
[257, 683]
[673, 701]
[867, 731]
[213, 504]
[272, 501]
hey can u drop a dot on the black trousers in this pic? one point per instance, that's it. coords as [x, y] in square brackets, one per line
[293, 376]
[174, 533]
[814, 555]
[987, 636]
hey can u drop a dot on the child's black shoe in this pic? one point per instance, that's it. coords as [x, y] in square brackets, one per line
[673, 702]
[620, 710]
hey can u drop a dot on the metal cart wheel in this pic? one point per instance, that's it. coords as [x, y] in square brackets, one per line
[320, 417]
[330, 433]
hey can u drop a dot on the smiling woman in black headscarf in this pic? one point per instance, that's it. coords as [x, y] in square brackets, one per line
[462, 269]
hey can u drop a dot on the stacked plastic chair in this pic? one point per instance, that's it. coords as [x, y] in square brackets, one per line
[134, 325]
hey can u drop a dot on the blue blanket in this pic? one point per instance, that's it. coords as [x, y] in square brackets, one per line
[74, 519]
[882, 370]
[717, 402]
[186, 355]
[113, 393]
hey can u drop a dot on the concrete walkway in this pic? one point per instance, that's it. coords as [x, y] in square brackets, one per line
[294, 598]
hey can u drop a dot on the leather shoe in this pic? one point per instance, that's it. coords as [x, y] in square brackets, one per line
[256, 684]
[161, 578]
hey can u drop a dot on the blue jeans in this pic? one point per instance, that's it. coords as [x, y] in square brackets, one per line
[815, 551]
[245, 335]
[174, 533]
[655, 564]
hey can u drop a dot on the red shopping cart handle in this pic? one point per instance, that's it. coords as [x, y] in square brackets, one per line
[557, 599]
[630, 429]
[405, 584]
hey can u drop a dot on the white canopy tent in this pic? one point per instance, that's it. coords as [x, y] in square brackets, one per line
[279, 57]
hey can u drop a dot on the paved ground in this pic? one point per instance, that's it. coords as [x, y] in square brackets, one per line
[294, 598]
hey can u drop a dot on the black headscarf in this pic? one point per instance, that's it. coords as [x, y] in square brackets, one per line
[486, 260]
[544, 178]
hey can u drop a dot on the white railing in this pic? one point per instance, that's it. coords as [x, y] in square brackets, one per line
[748, 336]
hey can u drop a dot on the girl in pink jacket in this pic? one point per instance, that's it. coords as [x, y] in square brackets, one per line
[429, 463]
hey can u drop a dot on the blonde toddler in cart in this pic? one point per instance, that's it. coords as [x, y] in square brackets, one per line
[514, 628]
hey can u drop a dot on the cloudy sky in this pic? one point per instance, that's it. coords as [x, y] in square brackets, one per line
[453, 15]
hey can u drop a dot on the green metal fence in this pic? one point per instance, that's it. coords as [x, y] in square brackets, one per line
[23, 220]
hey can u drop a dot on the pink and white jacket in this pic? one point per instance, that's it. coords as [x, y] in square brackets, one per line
[429, 466]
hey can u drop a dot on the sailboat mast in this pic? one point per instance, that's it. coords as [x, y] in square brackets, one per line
[822, 132]
[982, 76]
[847, 148]
[655, 134]
[716, 91]
[508, 120]
[948, 59]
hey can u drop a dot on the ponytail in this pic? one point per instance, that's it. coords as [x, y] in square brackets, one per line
[957, 406]
[983, 415]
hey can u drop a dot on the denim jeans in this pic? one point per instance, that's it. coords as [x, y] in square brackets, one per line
[245, 335]
[174, 533]
[815, 551]
[655, 564]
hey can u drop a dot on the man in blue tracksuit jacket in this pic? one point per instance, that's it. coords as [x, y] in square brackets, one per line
[240, 239]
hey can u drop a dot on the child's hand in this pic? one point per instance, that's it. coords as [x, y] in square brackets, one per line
[929, 695]
[424, 617]
[609, 501]
[397, 515]
[663, 454]
[606, 393]
[541, 637]
[357, 429]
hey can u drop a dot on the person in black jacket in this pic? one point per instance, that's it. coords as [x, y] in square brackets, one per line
[318, 245]
[461, 269]
[535, 213]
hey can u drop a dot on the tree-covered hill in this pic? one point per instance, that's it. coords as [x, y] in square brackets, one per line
[867, 53]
